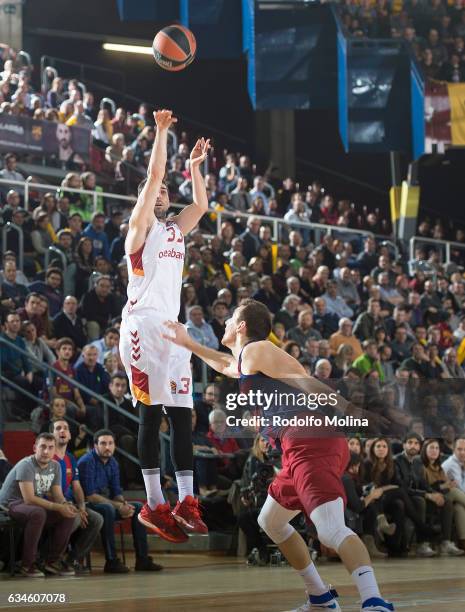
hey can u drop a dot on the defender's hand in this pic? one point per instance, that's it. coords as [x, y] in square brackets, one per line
[178, 334]
[164, 119]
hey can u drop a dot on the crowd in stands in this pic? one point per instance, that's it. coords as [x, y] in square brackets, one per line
[435, 29]
[346, 307]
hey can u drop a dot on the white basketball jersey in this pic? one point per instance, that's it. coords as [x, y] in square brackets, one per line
[156, 271]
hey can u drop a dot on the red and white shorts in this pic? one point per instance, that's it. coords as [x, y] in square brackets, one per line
[311, 472]
[159, 371]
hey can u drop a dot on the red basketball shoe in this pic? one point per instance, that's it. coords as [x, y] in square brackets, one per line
[187, 514]
[161, 522]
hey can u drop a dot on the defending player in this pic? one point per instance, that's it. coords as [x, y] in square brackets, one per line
[310, 479]
[159, 372]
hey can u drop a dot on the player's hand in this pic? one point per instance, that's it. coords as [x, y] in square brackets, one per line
[164, 119]
[199, 152]
[178, 334]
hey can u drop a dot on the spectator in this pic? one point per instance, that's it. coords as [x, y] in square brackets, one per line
[68, 324]
[51, 289]
[93, 376]
[38, 350]
[16, 367]
[345, 336]
[304, 330]
[287, 315]
[87, 523]
[100, 481]
[12, 293]
[325, 322]
[199, 329]
[454, 497]
[218, 322]
[411, 476]
[58, 385]
[204, 406]
[225, 445]
[33, 495]
[109, 342]
[368, 320]
[369, 360]
[10, 173]
[99, 306]
[250, 238]
[95, 231]
[454, 466]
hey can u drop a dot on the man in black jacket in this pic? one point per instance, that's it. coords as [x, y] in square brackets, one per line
[410, 473]
[67, 324]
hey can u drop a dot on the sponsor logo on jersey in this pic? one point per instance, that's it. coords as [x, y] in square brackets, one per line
[171, 253]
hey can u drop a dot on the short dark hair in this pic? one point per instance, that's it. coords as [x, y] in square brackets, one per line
[51, 271]
[46, 436]
[111, 330]
[118, 374]
[257, 319]
[412, 435]
[65, 342]
[103, 432]
[33, 294]
[57, 420]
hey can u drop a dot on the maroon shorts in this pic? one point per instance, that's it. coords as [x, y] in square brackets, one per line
[311, 472]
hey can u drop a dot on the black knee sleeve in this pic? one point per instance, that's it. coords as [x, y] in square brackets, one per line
[181, 437]
[148, 442]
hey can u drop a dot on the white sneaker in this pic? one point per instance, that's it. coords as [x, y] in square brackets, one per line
[327, 601]
[448, 548]
[425, 550]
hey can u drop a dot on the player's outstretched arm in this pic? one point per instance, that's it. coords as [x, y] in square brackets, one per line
[221, 362]
[143, 215]
[189, 217]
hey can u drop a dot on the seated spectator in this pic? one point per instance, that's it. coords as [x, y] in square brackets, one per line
[325, 322]
[42, 236]
[345, 336]
[51, 289]
[16, 367]
[199, 329]
[67, 324]
[92, 375]
[123, 428]
[99, 306]
[95, 231]
[12, 293]
[419, 362]
[59, 386]
[267, 295]
[5, 467]
[38, 349]
[411, 477]
[454, 465]
[109, 342]
[347, 289]
[288, 314]
[250, 238]
[218, 322]
[33, 495]
[454, 506]
[87, 523]
[100, 481]
[10, 173]
[401, 344]
[304, 330]
[361, 512]
[368, 320]
[369, 360]
[225, 446]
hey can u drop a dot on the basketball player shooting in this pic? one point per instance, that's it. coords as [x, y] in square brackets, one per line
[312, 465]
[159, 372]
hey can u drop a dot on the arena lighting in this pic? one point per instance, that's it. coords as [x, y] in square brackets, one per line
[127, 48]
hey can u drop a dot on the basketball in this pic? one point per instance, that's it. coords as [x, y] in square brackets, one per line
[174, 48]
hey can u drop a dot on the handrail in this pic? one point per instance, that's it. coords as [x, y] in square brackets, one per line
[71, 381]
[12, 226]
[445, 244]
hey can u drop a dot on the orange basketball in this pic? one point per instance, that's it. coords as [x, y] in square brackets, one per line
[174, 47]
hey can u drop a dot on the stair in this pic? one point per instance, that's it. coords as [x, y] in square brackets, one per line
[18, 441]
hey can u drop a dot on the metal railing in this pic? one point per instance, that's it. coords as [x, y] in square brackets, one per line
[318, 229]
[445, 247]
[107, 404]
[8, 227]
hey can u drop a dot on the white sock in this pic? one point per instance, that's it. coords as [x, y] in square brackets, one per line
[185, 481]
[153, 487]
[313, 581]
[364, 578]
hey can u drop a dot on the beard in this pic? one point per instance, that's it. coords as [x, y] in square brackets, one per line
[160, 214]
